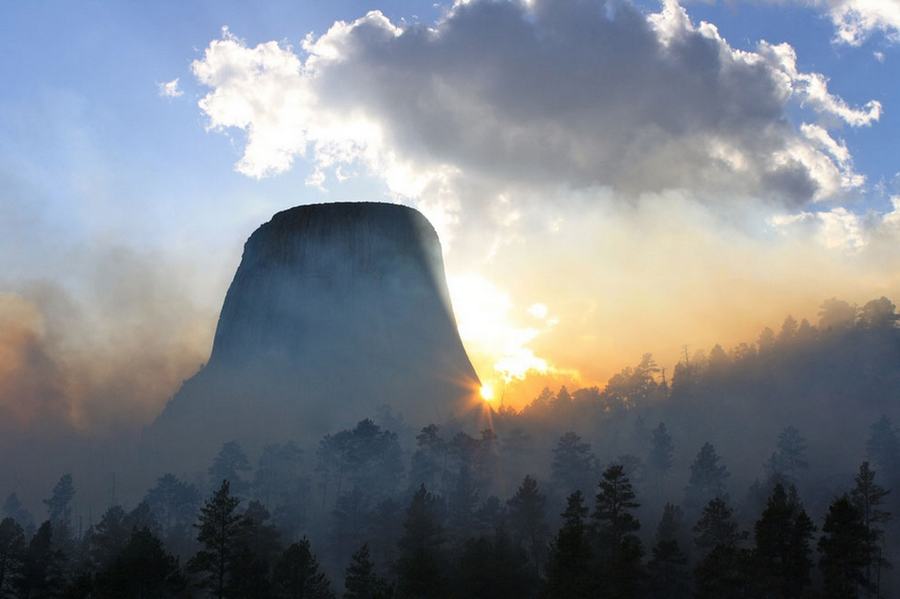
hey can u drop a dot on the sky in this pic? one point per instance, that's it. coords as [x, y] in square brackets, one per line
[607, 178]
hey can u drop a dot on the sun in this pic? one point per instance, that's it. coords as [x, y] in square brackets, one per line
[487, 392]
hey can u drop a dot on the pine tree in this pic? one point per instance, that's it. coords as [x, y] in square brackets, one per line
[661, 449]
[708, 477]
[569, 562]
[868, 497]
[256, 547]
[218, 528]
[419, 564]
[13, 508]
[109, 537]
[883, 450]
[430, 459]
[843, 548]
[527, 521]
[12, 555]
[493, 567]
[722, 569]
[361, 581]
[462, 503]
[620, 549]
[789, 460]
[297, 575]
[230, 464]
[782, 552]
[573, 464]
[667, 568]
[174, 504]
[142, 568]
[59, 509]
[43, 573]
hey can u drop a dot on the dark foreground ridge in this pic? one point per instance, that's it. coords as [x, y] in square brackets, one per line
[335, 310]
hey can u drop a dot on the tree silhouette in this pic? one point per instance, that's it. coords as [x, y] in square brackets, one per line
[362, 581]
[569, 562]
[218, 528]
[573, 465]
[722, 569]
[782, 552]
[12, 555]
[43, 572]
[843, 548]
[142, 569]
[109, 537]
[868, 497]
[789, 459]
[419, 565]
[13, 508]
[707, 481]
[297, 574]
[667, 567]
[256, 547]
[230, 464]
[59, 508]
[527, 521]
[493, 567]
[620, 549]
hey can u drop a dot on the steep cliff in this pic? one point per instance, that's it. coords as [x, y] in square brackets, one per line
[335, 310]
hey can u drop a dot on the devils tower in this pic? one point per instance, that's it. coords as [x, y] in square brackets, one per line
[336, 309]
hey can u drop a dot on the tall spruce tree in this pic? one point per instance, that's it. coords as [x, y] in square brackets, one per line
[722, 568]
[257, 545]
[667, 569]
[843, 547]
[707, 481]
[230, 464]
[573, 464]
[569, 562]
[12, 555]
[218, 529]
[528, 523]
[13, 508]
[297, 574]
[782, 553]
[419, 566]
[789, 461]
[868, 497]
[659, 459]
[43, 567]
[619, 548]
[142, 569]
[361, 581]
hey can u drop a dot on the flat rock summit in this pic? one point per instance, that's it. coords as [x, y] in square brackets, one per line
[335, 310]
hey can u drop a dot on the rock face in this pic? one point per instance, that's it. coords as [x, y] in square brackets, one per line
[335, 310]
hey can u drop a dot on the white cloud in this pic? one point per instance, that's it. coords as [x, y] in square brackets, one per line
[841, 229]
[496, 97]
[170, 89]
[855, 20]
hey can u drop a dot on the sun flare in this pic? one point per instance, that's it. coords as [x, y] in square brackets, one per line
[487, 392]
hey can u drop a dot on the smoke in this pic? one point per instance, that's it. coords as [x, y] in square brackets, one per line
[94, 336]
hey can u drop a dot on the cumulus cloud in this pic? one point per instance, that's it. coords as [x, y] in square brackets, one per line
[497, 96]
[855, 20]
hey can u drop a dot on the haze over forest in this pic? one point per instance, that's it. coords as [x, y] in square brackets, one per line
[645, 246]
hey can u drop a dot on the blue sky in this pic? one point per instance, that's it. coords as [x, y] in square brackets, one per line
[81, 108]
[95, 161]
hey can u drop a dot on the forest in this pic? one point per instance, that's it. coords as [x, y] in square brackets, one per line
[769, 470]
